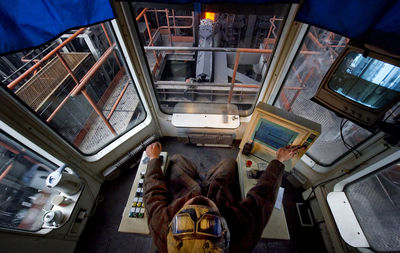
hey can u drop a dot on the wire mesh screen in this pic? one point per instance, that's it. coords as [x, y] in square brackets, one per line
[39, 88]
[375, 200]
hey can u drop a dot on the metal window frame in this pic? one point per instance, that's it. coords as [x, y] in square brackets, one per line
[321, 167]
[343, 214]
[284, 30]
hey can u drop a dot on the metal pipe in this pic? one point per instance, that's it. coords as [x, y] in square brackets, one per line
[154, 10]
[158, 23]
[213, 49]
[173, 18]
[16, 151]
[149, 33]
[316, 41]
[148, 28]
[221, 49]
[5, 172]
[234, 76]
[169, 29]
[183, 83]
[187, 17]
[141, 14]
[58, 108]
[178, 26]
[65, 64]
[193, 29]
[92, 70]
[118, 100]
[205, 93]
[23, 66]
[110, 44]
[45, 58]
[93, 104]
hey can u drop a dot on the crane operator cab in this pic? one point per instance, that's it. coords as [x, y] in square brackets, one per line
[85, 88]
[270, 128]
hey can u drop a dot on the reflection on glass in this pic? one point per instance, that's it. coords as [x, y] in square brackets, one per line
[80, 87]
[23, 192]
[317, 53]
[375, 200]
[366, 80]
[195, 57]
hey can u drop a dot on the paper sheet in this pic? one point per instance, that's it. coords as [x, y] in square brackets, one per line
[279, 198]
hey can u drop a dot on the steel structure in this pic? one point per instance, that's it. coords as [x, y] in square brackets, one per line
[80, 85]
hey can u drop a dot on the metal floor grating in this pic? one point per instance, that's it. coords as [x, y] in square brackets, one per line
[99, 134]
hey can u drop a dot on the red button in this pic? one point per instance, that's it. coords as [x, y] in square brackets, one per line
[248, 163]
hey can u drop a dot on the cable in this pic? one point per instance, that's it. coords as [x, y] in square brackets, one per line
[99, 199]
[397, 107]
[347, 172]
[348, 146]
[323, 182]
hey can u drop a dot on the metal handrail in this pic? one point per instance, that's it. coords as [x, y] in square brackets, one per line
[37, 65]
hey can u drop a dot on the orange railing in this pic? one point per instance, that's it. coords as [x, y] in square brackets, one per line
[152, 35]
[79, 87]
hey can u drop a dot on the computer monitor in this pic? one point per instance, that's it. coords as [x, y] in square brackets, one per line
[271, 128]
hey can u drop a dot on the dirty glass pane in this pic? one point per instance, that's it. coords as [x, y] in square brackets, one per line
[317, 53]
[195, 56]
[366, 80]
[23, 192]
[79, 85]
[375, 200]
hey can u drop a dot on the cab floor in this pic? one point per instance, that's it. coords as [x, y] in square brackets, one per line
[101, 232]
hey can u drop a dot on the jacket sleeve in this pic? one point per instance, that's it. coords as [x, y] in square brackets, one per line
[252, 214]
[156, 199]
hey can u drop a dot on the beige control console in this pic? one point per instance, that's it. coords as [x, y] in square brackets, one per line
[134, 217]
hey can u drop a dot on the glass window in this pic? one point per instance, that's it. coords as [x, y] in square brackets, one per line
[23, 192]
[317, 53]
[209, 57]
[366, 80]
[79, 85]
[375, 200]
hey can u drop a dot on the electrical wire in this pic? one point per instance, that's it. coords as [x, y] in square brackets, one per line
[99, 199]
[353, 150]
[391, 113]
[346, 173]
[324, 182]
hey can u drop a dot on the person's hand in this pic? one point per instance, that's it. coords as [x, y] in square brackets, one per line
[153, 150]
[288, 152]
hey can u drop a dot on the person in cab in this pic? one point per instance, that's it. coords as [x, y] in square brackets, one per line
[190, 214]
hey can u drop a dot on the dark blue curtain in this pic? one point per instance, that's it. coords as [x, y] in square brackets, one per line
[29, 23]
[375, 22]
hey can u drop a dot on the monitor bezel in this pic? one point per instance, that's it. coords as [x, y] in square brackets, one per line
[360, 114]
[303, 133]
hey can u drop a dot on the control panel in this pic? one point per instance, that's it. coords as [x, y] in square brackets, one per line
[134, 217]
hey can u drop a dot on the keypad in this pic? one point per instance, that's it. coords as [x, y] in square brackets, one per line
[137, 209]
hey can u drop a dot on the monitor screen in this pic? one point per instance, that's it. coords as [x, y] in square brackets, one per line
[273, 135]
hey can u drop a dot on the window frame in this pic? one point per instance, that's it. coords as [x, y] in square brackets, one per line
[308, 159]
[289, 18]
[125, 135]
[345, 216]
[13, 135]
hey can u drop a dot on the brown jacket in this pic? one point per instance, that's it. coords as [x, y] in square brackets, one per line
[246, 218]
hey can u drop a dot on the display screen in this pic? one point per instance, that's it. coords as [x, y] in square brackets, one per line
[273, 135]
